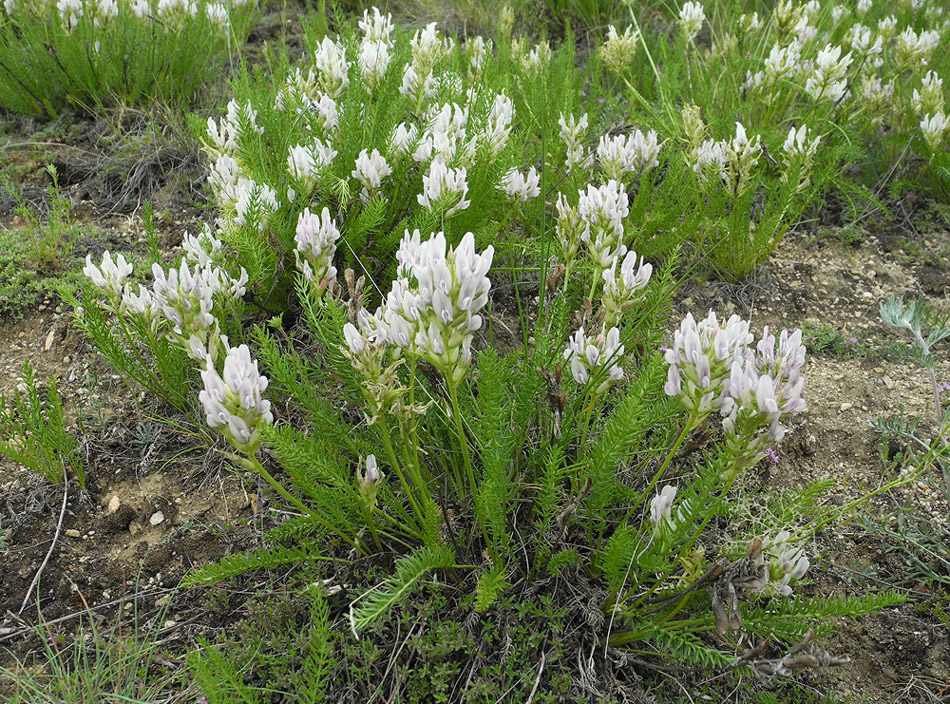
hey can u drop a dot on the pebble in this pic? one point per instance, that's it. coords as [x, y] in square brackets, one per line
[156, 518]
[72, 533]
[114, 504]
[845, 406]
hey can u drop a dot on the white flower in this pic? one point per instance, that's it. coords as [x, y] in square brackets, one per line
[306, 163]
[537, 59]
[827, 81]
[934, 128]
[782, 62]
[701, 359]
[444, 186]
[603, 209]
[331, 63]
[403, 139]
[598, 356]
[797, 143]
[634, 154]
[750, 23]
[141, 304]
[316, 237]
[377, 28]
[415, 85]
[218, 14]
[661, 511]
[864, 6]
[140, 8]
[327, 113]
[692, 17]
[762, 387]
[913, 49]
[299, 91]
[573, 133]
[929, 99]
[475, 50]
[202, 249]
[110, 276]
[519, 186]
[70, 11]
[433, 307]
[175, 12]
[254, 205]
[374, 60]
[621, 287]
[495, 133]
[618, 49]
[233, 403]
[371, 169]
[571, 229]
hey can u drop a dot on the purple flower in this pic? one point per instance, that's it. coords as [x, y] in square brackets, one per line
[770, 453]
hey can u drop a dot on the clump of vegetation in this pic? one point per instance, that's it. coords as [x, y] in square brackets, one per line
[33, 431]
[103, 53]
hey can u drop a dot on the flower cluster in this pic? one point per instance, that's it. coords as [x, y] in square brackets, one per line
[701, 359]
[519, 186]
[713, 366]
[432, 310]
[603, 209]
[232, 401]
[635, 154]
[598, 357]
[692, 16]
[316, 238]
[573, 132]
[445, 188]
[618, 49]
[622, 283]
[184, 296]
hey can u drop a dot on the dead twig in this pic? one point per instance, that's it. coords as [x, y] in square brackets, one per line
[52, 546]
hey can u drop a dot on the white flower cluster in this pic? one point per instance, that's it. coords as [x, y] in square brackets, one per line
[445, 188]
[799, 152]
[371, 169]
[573, 133]
[701, 359]
[184, 297]
[618, 50]
[634, 154]
[692, 16]
[316, 237]
[428, 46]
[713, 366]
[432, 310]
[828, 80]
[929, 103]
[375, 50]
[623, 282]
[519, 186]
[232, 400]
[602, 210]
[785, 563]
[661, 511]
[598, 357]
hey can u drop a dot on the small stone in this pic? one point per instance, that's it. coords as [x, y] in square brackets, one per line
[158, 517]
[845, 406]
[170, 623]
[114, 504]
[72, 533]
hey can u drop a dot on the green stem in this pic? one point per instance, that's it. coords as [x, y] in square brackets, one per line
[687, 428]
[460, 432]
[394, 460]
[252, 463]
